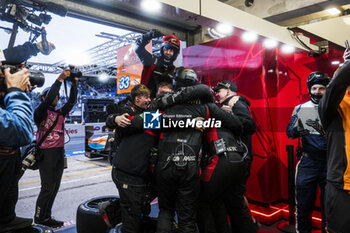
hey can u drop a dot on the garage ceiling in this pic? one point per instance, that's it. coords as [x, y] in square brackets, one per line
[309, 15]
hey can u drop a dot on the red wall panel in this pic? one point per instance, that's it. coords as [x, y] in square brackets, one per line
[274, 83]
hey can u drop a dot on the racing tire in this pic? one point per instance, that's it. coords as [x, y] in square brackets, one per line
[89, 218]
[150, 226]
[42, 229]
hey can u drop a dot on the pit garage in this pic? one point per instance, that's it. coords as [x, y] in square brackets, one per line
[267, 48]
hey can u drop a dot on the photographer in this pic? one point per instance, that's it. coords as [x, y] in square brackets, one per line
[21, 53]
[51, 151]
[16, 130]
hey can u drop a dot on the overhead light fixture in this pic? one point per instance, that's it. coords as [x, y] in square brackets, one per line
[151, 6]
[287, 48]
[103, 77]
[249, 36]
[333, 11]
[223, 28]
[270, 43]
[335, 62]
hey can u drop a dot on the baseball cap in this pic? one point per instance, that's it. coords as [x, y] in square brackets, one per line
[227, 85]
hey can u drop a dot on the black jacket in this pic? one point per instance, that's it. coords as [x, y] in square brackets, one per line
[241, 110]
[334, 110]
[155, 69]
[20, 53]
[135, 143]
[192, 138]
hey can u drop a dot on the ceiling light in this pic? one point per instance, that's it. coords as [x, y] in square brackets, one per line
[224, 29]
[269, 43]
[249, 36]
[335, 62]
[103, 77]
[151, 6]
[333, 11]
[287, 48]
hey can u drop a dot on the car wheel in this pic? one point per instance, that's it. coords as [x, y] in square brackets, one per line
[89, 218]
[42, 229]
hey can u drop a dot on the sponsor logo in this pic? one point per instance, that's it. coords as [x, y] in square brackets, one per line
[151, 120]
[72, 131]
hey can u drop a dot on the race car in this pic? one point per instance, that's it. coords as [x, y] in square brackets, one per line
[99, 142]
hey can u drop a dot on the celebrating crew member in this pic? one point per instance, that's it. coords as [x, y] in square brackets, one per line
[177, 172]
[225, 175]
[157, 69]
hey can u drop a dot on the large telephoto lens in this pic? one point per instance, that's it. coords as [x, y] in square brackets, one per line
[36, 78]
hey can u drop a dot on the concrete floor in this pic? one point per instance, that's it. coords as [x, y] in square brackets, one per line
[82, 180]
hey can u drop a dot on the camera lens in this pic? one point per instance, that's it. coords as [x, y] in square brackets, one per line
[36, 78]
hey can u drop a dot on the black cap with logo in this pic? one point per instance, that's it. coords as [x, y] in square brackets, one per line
[227, 85]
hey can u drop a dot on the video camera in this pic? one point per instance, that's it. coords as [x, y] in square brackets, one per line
[19, 12]
[35, 77]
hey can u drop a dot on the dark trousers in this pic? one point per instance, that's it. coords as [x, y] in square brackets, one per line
[178, 190]
[212, 217]
[135, 197]
[310, 174]
[223, 196]
[337, 205]
[51, 165]
[10, 166]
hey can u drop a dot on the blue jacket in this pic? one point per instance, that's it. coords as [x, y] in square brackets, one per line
[16, 121]
[314, 142]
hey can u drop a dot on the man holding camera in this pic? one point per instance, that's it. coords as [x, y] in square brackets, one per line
[16, 130]
[312, 167]
[51, 150]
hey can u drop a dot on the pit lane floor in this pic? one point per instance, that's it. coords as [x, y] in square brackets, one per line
[83, 179]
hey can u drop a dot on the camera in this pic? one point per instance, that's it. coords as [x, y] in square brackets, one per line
[29, 160]
[35, 77]
[74, 73]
